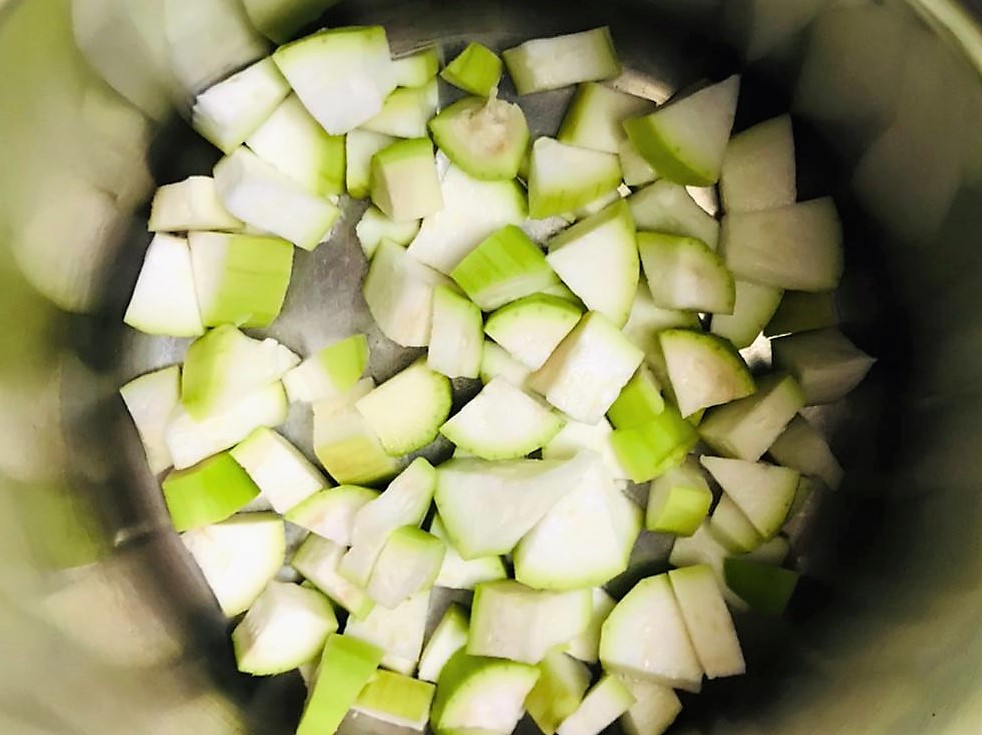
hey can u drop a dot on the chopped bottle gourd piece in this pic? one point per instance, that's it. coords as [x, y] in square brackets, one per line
[763, 492]
[449, 636]
[346, 666]
[505, 267]
[398, 631]
[404, 182]
[191, 204]
[207, 493]
[502, 422]
[164, 300]
[551, 63]
[532, 327]
[685, 140]
[746, 428]
[598, 259]
[296, 145]
[476, 69]
[262, 196]
[330, 513]
[342, 75]
[456, 336]
[151, 400]
[285, 628]
[485, 137]
[238, 557]
[282, 473]
[240, 279]
[329, 372]
[229, 112]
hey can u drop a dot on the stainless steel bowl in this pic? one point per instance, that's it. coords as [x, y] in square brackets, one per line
[106, 626]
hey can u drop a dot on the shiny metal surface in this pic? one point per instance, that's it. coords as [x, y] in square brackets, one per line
[105, 624]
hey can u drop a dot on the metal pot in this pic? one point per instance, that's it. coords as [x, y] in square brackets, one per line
[105, 624]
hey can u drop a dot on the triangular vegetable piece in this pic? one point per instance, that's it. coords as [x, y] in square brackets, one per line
[487, 507]
[375, 227]
[764, 587]
[759, 168]
[476, 69]
[282, 473]
[404, 182]
[502, 422]
[359, 148]
[744, 429]
[404, 503]
[596, 115]
[826, 364]
[473, 211]
[230, 111]
[238, 557]
[449, 636]
[562, 683]
[286, 627]
[668, 207]
[565, 177]
[331, 513]
[708, 621]
[801, 447]
[397, 699]
[604, 703]
[486, 138]
[208, 492]
[151, 400]
[678, 501]
[703, 369]
[262, 196]
[406, 411]
[191, 204]
[645, 637]
[406, 112]
[342, 75]
[329, 372]
[317, 560]
[164, 301]
[685, 140]
[586, 646]
[296, 145]
[586, 372]
[532, 327]
[417, 68]
[344, 442]
[763, 492]
[409, 563]
[460, 574]
[456, 336]
[598, 259]
[655, 708]
[752, 310]
[225, 365]
[190, 440]
[481, 694]
[578, 543]
[683, 273]
[797, 247]
[399, 292]
[503, 268]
